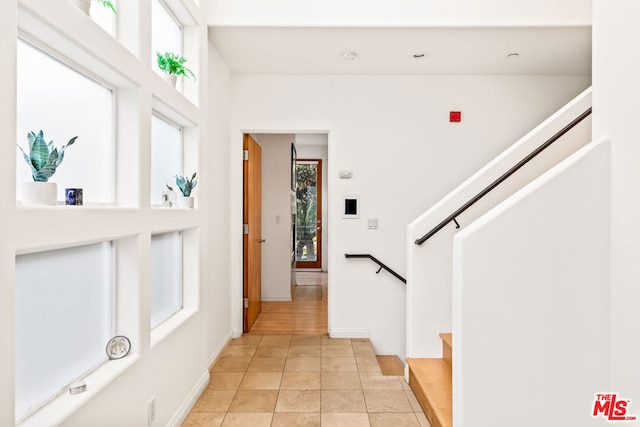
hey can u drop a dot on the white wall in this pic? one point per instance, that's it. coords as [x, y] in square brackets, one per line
[429, 266]
[616, 88]
[314, 146]
[401, 13]
[531, 301]
[393, 133]
[8, 34]
[219, 236]
[276, 216]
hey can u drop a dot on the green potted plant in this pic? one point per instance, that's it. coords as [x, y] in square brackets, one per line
[43, 159]
[172, 66]
[85, 5]
[186, 185]
[109, 5]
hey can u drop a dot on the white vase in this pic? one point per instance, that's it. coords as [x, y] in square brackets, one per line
[185, 202]
[172, 79]
[83, 5]
[38, 193]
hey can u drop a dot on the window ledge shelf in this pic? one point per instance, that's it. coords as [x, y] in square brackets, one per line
[168, 327]
[96, 207]
[59, 409]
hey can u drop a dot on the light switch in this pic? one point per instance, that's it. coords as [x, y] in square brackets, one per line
[372, 224]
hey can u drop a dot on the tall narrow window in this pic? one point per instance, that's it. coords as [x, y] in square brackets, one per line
[166, 157]
[64, 318]
[166, 276]
[166, 33]
[308, 213]
[64, 103]
[104, 16]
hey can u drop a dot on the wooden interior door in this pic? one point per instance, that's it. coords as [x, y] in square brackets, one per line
[252, 231]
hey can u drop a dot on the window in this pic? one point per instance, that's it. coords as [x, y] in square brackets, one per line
[64, 318]
[166, 276]
[166, 33]
[166, 157]
[103, 16]
[64, 103]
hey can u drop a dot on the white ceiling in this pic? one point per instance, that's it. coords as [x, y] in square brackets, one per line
[286, 50]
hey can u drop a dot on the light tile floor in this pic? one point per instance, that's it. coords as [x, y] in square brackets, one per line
[307, 381]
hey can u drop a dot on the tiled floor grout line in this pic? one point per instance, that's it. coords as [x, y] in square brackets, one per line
[248, 383]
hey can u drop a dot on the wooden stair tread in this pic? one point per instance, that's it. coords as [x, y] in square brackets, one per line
[447, 339]
[447, 347]
[430, 380]
[390, 365]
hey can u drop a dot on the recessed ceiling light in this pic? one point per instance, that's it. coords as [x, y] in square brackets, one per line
[514, 55]
[348, 56]
[420, 55]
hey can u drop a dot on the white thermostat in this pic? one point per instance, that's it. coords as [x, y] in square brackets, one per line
[346, 174]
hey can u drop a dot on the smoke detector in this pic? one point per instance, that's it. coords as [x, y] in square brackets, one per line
[348, 56]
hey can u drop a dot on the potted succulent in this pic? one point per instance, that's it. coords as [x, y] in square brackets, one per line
[172, 66]
[43, 159]
[186, 185]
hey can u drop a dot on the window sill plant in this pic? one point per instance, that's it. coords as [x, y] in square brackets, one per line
[172, 66]
[85, 5]
[186, 185]
[43, 159]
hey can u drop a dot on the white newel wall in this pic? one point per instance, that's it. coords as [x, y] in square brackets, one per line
[276, 216]
[429, 266]
[393, 133]
[616, 92]
[531, 316]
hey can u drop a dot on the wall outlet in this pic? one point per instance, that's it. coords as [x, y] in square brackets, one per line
[151, 410]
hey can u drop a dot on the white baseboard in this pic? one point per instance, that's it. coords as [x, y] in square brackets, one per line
[349, 333]
[286, 298]
[223, 343]
[236, 333]
[182, 412]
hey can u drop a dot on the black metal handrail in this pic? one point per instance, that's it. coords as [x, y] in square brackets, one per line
[502, 178]
[377, 261]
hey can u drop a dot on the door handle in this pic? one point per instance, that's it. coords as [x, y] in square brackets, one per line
[262, 240]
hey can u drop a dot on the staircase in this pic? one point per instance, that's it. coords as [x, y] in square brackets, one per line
[430, 380]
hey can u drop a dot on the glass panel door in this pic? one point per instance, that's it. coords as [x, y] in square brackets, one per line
[308, 214]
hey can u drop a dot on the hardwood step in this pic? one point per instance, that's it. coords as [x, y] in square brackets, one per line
[430, 380]
[447, 347]
[390, 365]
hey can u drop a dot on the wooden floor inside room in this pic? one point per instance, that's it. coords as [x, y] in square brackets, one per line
[306, 314]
